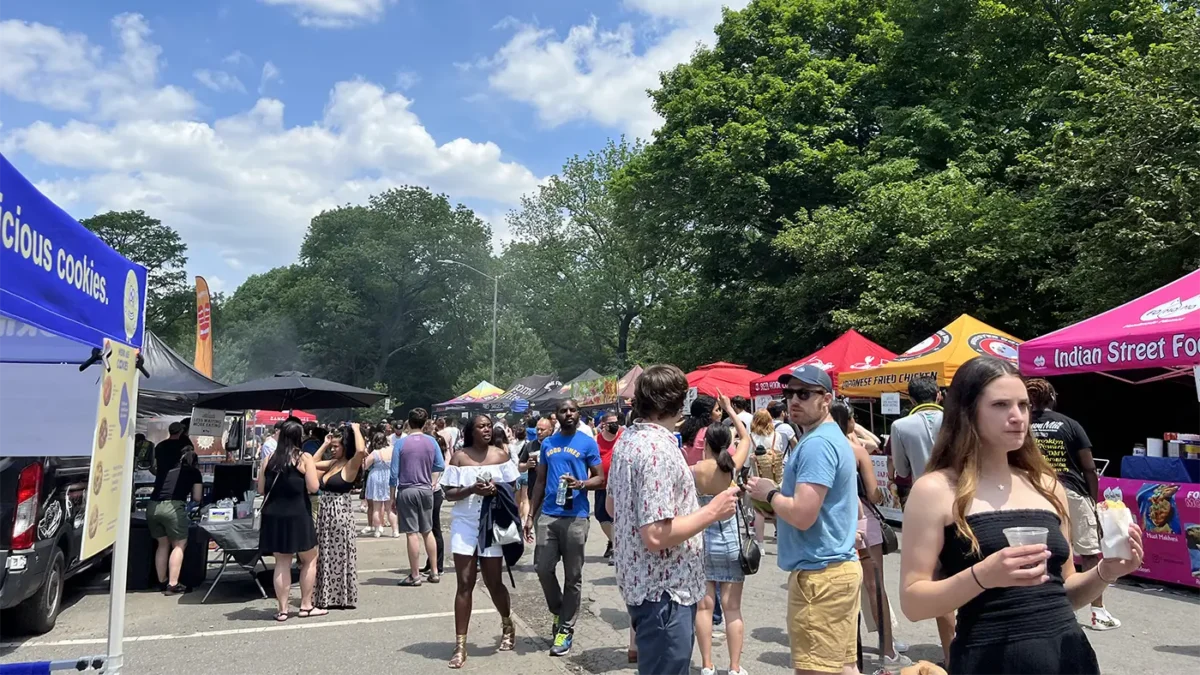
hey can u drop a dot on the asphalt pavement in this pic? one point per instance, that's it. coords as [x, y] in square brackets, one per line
[397, 629]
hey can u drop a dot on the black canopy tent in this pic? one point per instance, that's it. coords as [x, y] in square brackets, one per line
[173, 385]
[527, 388]
[553, 395]
[287, 391]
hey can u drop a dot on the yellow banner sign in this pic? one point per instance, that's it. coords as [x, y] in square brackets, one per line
[112, 449]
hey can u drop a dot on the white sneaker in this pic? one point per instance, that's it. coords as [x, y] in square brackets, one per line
[900, 647]
[1102, 620]
[708, 671]
[739, 671]
[378, 532]
[897, 661]
[366, 531]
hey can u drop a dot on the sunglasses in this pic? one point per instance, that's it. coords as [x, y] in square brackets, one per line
[802, 394]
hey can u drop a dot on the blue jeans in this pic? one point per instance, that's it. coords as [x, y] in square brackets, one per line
[665, 633]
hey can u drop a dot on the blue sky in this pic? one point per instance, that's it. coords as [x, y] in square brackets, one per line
[237, 121]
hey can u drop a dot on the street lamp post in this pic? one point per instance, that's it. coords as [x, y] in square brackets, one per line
[495, 305]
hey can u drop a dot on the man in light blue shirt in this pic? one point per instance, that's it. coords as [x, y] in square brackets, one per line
[816, 509]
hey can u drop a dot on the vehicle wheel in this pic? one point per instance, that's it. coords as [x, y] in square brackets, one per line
[39, 613]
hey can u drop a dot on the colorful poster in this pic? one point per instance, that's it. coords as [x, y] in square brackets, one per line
[593, 393]
[1169, 515]
[112, 451]
[204, 344]
[890, 507]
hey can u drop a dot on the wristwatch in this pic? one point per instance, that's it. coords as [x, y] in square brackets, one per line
[771, 495]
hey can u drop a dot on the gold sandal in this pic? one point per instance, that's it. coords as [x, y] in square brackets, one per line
[460, 652]
[508, 634]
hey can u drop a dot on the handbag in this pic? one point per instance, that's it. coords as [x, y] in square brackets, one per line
[749, 552]
[258, 514]
[891, 543]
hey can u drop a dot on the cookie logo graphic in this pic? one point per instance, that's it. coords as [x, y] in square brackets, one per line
[133, 304]
[990, 344]
[934, 343]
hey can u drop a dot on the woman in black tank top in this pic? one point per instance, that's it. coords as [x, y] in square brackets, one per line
[1016, 604]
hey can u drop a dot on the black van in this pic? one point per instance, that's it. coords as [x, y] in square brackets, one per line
[42, 502]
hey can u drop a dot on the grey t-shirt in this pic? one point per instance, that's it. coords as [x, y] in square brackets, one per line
[912, 440]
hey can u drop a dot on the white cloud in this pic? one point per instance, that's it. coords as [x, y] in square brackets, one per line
[603, 74]
[334, 13]
[237, 58]
[269, 73]
[248, 181]
[42, 65]
[219, 80]
[407, 79]
[216, 284]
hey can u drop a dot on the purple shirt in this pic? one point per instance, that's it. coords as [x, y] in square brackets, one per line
[415, 458]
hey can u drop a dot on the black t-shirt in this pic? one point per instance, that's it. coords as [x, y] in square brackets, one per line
[177, 484]
[530, 448]
[1060, 439]
[166, 457]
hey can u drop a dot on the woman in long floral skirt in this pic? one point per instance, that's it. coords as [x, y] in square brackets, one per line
[337, 566]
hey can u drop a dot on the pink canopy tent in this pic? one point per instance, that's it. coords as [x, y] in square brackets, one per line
[850, 351]
[1158, 330]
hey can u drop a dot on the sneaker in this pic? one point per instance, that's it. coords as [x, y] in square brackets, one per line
[708, 671]
[739, 671]
[608, 551]
[1102, 620]
[378, 532]
[896, 662]
[366, 531]
[562, 642]
[900, 647]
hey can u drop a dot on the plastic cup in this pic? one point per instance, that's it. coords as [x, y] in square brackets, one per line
[1025, 536]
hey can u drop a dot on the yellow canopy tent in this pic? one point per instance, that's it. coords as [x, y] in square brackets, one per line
[939, 356]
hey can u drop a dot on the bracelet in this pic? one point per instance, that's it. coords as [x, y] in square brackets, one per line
[1101, 575]
[771, 496]
[976, 578]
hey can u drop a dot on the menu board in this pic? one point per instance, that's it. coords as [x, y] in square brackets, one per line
[112, 449]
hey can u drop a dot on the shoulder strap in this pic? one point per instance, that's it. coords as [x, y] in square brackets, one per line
[270, 489]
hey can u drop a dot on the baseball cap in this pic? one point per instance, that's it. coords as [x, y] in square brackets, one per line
[810, 375]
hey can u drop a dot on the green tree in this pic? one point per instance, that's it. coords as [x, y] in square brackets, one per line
[519, 353]
[585, 269]
[170, 301]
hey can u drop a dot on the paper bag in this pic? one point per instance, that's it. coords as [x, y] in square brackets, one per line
[1114, 524]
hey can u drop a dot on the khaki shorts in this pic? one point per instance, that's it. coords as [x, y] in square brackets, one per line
[1082, 510]
[822, 617]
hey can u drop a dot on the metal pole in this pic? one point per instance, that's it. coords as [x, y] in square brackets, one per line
[120, 564]
[495, 306]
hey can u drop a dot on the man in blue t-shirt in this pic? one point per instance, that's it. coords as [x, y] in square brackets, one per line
[562, 524]
[816, 509]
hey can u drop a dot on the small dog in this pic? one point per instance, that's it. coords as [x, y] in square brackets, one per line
[923, 668]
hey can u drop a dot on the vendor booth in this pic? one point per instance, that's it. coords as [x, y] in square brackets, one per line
[850, 352]
[474, 399]
[521, 392]
[1150, 340]
[730, 379]
[61, 279]
[545, 402]
[938, 356]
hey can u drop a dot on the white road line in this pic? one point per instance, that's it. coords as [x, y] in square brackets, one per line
[241, 631]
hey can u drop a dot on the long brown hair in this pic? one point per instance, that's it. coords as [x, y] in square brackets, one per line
[957, 448]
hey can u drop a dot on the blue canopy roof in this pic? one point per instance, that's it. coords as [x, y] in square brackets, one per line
[58, 276]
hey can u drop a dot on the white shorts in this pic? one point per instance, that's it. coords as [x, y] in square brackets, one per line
[464, 539]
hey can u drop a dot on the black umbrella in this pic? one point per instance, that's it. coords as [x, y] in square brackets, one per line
[289, 391]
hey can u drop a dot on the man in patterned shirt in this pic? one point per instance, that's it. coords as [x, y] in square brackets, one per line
[658, 547]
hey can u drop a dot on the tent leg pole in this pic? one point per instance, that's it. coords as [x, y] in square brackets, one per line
[120, 567]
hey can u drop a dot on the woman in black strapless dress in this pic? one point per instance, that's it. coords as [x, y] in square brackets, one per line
[287, 481]
[1016, 604]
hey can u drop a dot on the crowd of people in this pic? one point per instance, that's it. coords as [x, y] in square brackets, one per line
[684, 501]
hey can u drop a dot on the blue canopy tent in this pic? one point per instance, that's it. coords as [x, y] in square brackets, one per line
[59, 278]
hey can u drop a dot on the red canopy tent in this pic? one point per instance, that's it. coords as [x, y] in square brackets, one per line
[850, 351]
[269, 417]
[730, 378]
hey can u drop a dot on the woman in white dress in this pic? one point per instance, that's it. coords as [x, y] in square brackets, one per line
[472, 475]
